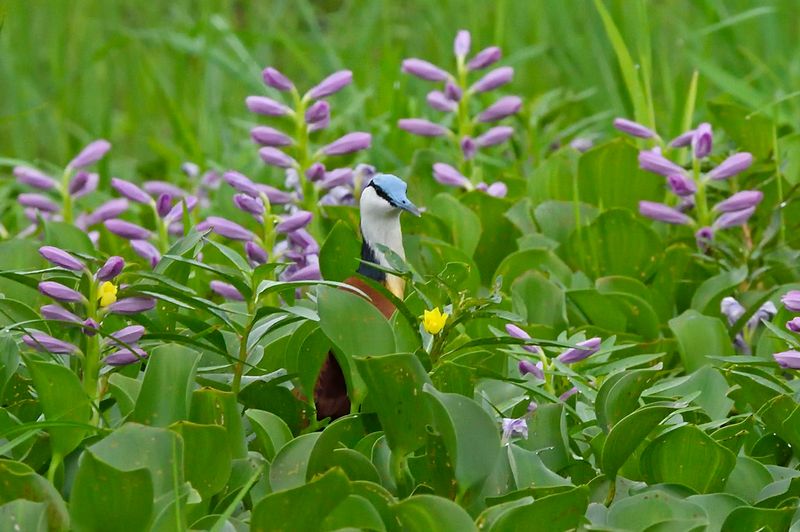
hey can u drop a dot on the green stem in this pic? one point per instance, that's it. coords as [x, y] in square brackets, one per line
[701, 203]
[55, 461]
[779, 180]
[463, 121]
[239, 368]
[304, 161]
[91, 358]
[66, 198]
[401, 474]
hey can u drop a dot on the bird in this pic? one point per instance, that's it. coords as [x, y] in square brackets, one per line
[382, 202]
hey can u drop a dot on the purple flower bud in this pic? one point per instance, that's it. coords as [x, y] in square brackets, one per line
[331, 85]
[163, 204]
[256, 253]
[793, 325]
[469, 148]
[90, 327]
[765, 312]
[657, 163]
[485, 58]
[424, 70]
[83, 183]
[788, 359]
[91, 154]
[109, 209]
[322, 124]
[147, 251]
[58, 313]
[498, 189]
[303, 239]
[735, 164]
[704, 236]
[514, 427]
[315, 172]
[527, 367]
[791, 300]
[125, 356]
[78, 182]
[275, 157]
[663, 213]
[132, 305]
[741, 200]
[337, 177]
[60, 292]
[682, 140]
[440, 102]
[43, 342]
[176, 212]
[505, 106]
[702, 140]
[241, 183]
[130, 191]
[581, 144]
[447, 175]
[265, 106]
[517, 332]
[37, 201]
[734, 218]
[294, 221]
[228, 291]
[34, 178]
[494, 136]
[110, 269]
[190, 169]
[268, 136]
[127, 230]
[306, 273]
[318, 111]
[228, 229]
[125, 336]
[681, 184]
[452, 91]
[276, 80]
[275, 196]
[349, 143]
[731, 309]
[59, 257]
[494, 79]
[569, 393]
[248, 204]
[583, 350]
[634, 129]
[461, 43]
[156, 188]
[423, 128]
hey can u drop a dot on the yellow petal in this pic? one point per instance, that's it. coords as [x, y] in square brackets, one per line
[107, 294]
[433, 321]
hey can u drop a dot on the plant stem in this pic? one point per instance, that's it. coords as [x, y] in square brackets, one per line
[701, 203]
[91, 358]
[239, 368]
[66, 198]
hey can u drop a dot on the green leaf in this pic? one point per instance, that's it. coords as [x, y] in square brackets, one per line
[747, 479]
[699, 337]
[272, 432]
[561, 511]
[539, 300]
[464, 225]
[428, 513]
[125, 391]
[558, 219]
[717, 506]
[749, 131]
[498, 238]
[288, 469]
[640, 511]
[217, 407]
[747, 519]
[206, 457]
[106, 498]
[9, 362]
[712, 388]
[24, 515]
[522, 262]
[167, 386]
[338, 257]
[345, 432]
[709, 294]
[528, 470]
[355, 512]
[619, 395]
[628, 434]
[19, 481]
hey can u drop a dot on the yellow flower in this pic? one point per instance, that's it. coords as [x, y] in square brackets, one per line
[433, 321]
[107, 294]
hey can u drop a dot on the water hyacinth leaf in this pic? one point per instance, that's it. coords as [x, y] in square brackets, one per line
[218, 407]
[547, 436]
[9, 361]
[305, 507]
[427, 513]
[271, 431]
[355, 512]
[628, 434]
[167, 386]
[394, 384]
[699, 337]
[106, 498]
[717, 507]
[470, 435]
[747, 518]
[19, 254]
[782, 416]
[288, 469]
[747, 479]
[464, 224]
[339, 253]
[522, 262]
[125, 391]
[708, 295]
[619, 395]
[206, 457]
[20, 482]
[689, 457]
[558, 219]
[21, 514]
[711, 385]
[67, 236]
[344, 432]
[561, 511]
[528, 470]
[539, 300]
[751, 132]
[498, 235]
[643, 510]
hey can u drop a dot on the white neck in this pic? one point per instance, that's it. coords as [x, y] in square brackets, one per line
[380, 224]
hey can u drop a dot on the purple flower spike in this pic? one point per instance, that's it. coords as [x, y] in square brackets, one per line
[318, 112]
[505, 106]
[275, 157]
[452, 91]
[741, 200]
[163, 205]
[293, 222]
[60, 292]
[58, 313]
[34, 178]
[793, 325]
[265, 106]
[469, 148]
[241, 183]
[228, 229]
[424, 70]
[274, 195]
[249, 205]
[440, 102]
[110, 269]
[130, 191]
[498, 189]
[256, 253]
[156, 188]
[59, 257]
[228, 291]
[147, 251]
[315, 172]
[514, 427]
[421, 127]
[44, 342]
[485, 58]
[91, 154]
[583, 350]
[634, 129]
[494, 79]
[791, 300]
[108, 210]
[349, 143]
[269, 136]
[663, 213]
[132, 305]
[494, 136]
[447, 175]
[702, 140]
[276, 80]
[127, 230]
[331, 85]
[306, 273]
[303, 239]
[704, 236]
[733, 219]
[788, 359]
[527, 367]
[658, 164]
[37, 201]
[337, 177]
[461, 44]
[125, 357]
[735, 164]
[681, 184]
[682, 140]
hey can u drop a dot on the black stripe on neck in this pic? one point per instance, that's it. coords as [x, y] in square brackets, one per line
[368, 255]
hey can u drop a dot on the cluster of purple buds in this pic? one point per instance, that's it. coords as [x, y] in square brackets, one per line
[733, 311]
[454, 98]
[75, 183]
[204, 184]
[526, 367]
[790, 359]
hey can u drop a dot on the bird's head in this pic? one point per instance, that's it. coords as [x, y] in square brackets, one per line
[386, 196]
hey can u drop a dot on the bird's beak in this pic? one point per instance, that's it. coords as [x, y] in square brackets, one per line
[410, 207]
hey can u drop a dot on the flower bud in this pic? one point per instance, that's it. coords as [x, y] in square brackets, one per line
[349, 143]
[452, 91]
[494, 79]
[337, 177]
[733, 219]
[228, 229]
[132, 305]
[58, 313]
[265, 106]
[658, 164]
[319, 111]
[583, 350]
[60, 292]
[315, 172]
[485, 58]
[92, 153]
[127, 230]
[791, 300]
[447, 175]
[440, 102]
[468, 148]
[276, 80]
[110, 269]
[735, 164]
[663, 213]
[424, 70]
[275, 157]
[505, 106]
[34, 178]
[702, 141]
[268, 136]
[461, 44]
[156, 188]
[241, 183]
[498, 189]
[125, 356]
[163, 204]
[109, 209]
[255, 253]
[527, 367]
[793, 325]
[741, 200]
[331, 85]
[248, 204]
[59, 257]
[788, 359]
[634, 129]
[43, 342]
[147, 251]
[294, 221]
[423, 128]
[494, 136]
[681, 184]
[228, 291]
[682, 140]
[130, 191]
[38, 202]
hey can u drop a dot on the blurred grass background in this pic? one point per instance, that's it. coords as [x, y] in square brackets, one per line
[165, 81]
